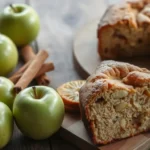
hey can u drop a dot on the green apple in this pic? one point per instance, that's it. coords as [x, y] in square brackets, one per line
[8, 55]
[38, 112]
[6, 124]
[7, 95]
[20, 22]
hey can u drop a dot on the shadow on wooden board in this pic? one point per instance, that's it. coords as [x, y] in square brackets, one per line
[74, 139]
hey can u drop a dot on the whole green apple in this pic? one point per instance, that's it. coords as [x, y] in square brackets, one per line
[8, 55]
[38, 112]
[7, 95]
[6, 124]
[20, 22]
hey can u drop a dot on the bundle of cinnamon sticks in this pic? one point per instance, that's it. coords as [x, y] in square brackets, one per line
[33, 68]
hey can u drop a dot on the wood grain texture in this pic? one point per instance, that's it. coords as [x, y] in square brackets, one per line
[20, 142]
[60, 144]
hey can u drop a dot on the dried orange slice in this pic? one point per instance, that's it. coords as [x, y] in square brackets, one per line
[69, 92]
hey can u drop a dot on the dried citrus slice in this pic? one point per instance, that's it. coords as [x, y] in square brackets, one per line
[69, 92]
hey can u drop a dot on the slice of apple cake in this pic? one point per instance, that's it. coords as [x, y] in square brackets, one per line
[115, 102]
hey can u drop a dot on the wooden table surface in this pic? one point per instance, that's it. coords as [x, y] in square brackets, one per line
[60, 19]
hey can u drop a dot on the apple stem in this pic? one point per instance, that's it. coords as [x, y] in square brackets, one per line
[34, 89]
[13, 8]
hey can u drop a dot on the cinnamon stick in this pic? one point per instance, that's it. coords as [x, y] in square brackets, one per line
[23, 68]
[43, 80]
[31, 71]
[28, 54]
[15, 77]
[45, 68]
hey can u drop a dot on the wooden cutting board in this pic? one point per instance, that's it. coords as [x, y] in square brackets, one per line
[86, 56]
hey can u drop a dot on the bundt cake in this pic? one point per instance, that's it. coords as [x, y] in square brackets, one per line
[124, 30]
[115, 102]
